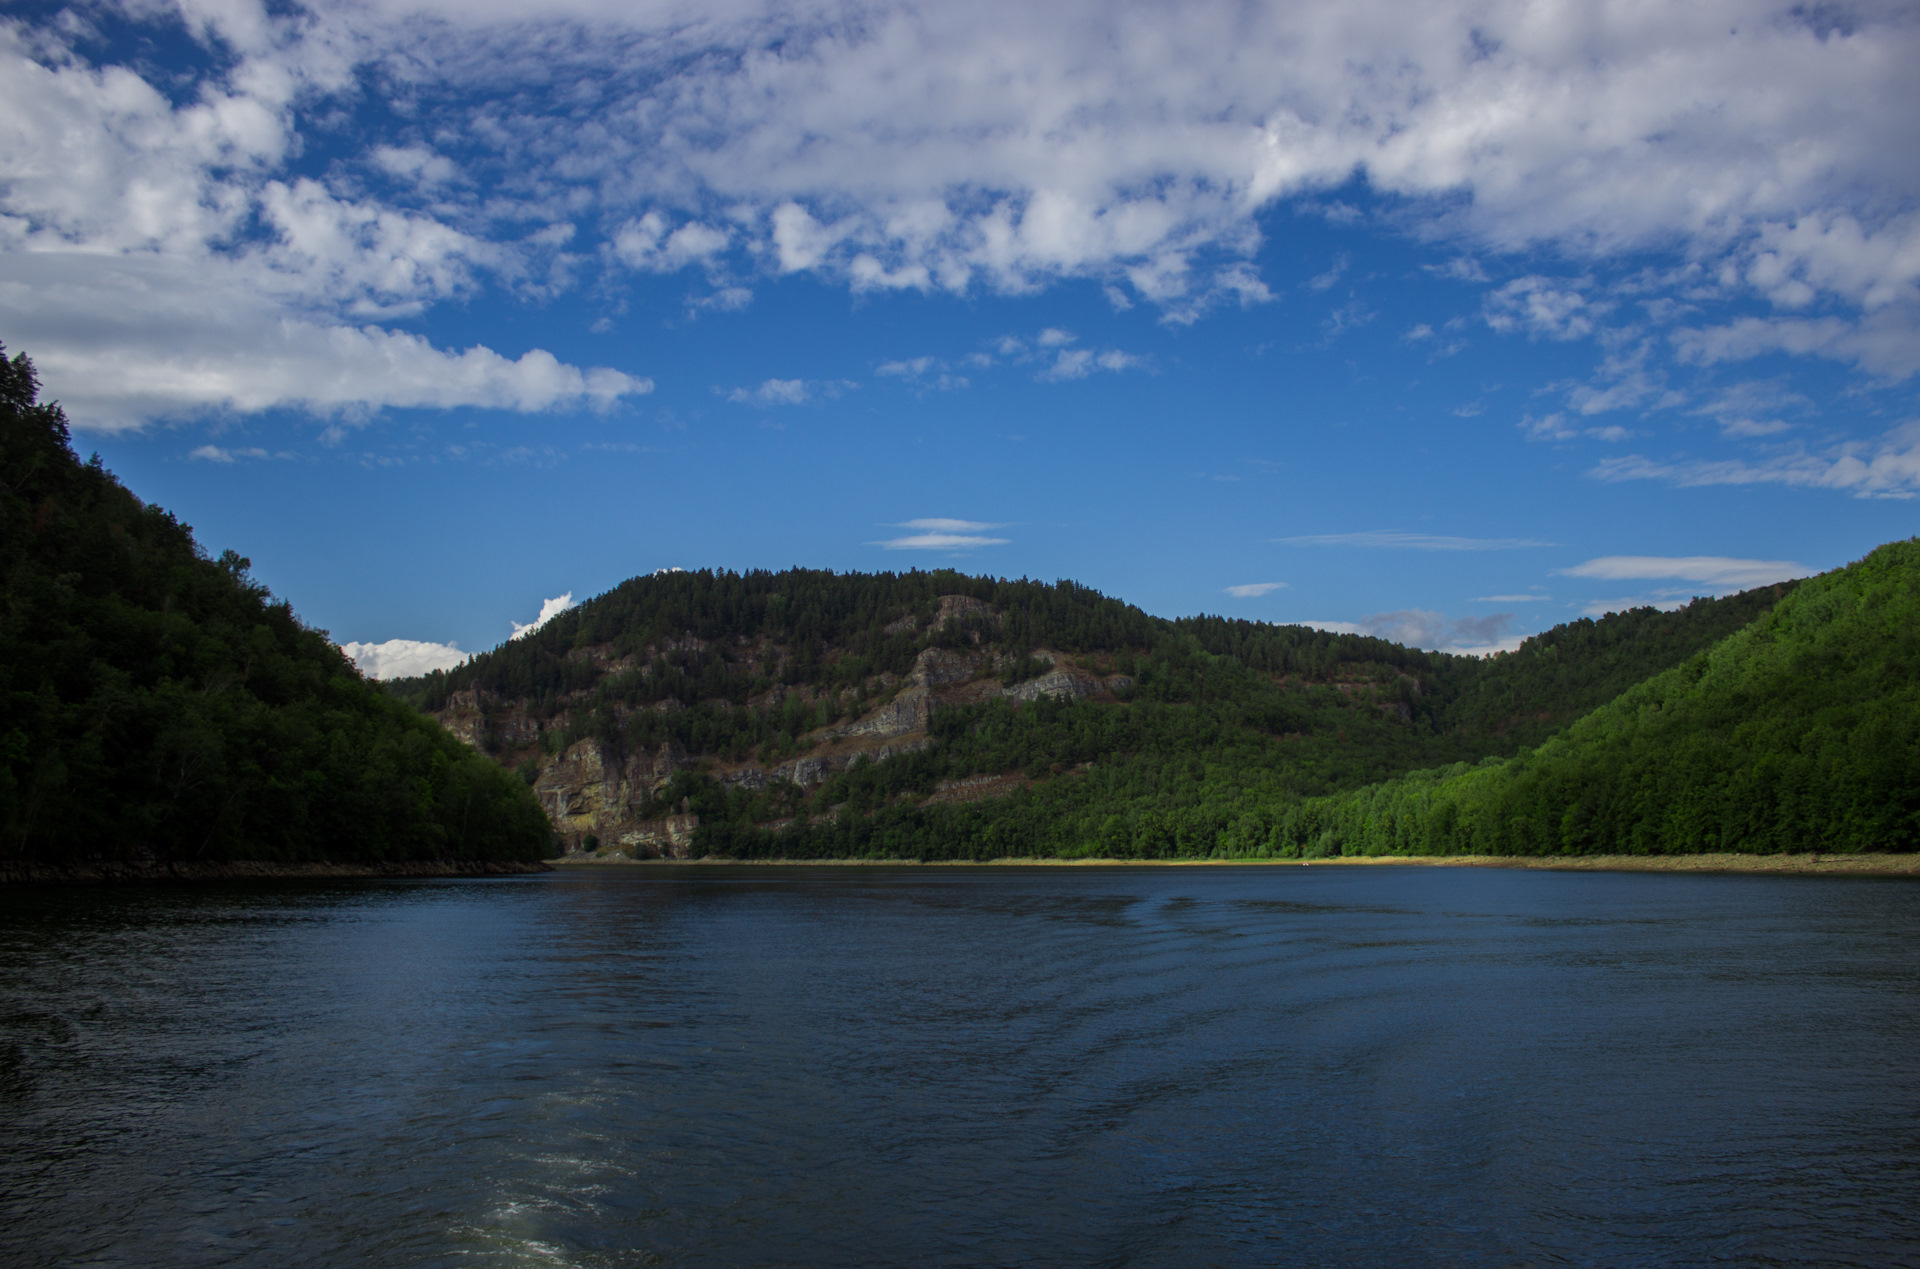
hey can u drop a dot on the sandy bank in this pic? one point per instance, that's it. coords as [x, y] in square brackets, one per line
[1849, 865]
[101, 873]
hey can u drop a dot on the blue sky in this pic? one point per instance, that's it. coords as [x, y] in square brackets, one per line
[1447, 323]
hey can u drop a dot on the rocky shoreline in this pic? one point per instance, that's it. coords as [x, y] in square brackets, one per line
[109, 872]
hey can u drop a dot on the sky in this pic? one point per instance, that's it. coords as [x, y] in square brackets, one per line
[1447, 322]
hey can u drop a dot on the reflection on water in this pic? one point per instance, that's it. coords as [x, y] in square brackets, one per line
[1220, 1066]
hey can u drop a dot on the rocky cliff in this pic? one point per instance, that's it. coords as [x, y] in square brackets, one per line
[598, 792]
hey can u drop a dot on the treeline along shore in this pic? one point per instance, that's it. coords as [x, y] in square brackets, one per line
[165, 716]
[161, 714]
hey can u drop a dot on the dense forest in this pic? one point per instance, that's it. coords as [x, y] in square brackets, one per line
[158, 705]
[1222, 738]
[1799, 732]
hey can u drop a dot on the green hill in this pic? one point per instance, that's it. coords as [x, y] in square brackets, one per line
[1799, 732]
[159, 706]
[936, 715]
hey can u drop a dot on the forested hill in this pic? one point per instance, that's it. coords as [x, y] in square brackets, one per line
[1800, 732]
[911, 710]
[157, 706]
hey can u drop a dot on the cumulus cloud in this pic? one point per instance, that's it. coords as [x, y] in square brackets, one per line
[1713, 570]
[941, 534]
[549, 609]
[402, 658]
[651, 243]
[1412, 541]
[1888, 467]
[1001, 144]
[1543, 309]
[1253, 590]
[123, 338]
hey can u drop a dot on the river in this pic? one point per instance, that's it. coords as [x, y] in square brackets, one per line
[1234, 1066]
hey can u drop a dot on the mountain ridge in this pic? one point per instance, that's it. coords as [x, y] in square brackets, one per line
[699, 711]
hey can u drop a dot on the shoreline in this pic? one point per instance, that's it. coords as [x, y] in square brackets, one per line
[115, 872]
[1863, 865]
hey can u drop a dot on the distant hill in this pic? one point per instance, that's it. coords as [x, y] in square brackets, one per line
[1800, 732]
[159, 707]
[933, 714]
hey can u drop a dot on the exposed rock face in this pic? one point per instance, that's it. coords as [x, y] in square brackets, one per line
[594, 791]
[1067, 685]
[964, 607]
[464, 718]
[588, 791]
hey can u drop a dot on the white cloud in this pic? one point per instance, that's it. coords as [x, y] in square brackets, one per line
[916, 371]
[790, 391]
[728, 299]
[940, 525]
[1542, 308]
[1000, 143]
[1412, 541]
[938, 533]
[1253, 590]
[123, 338]
[549, 609]
[939, 542]
[222, 454]
[1078, 363]
[1510, 599]
[1714, 570]
[1555, 427]
[648, 243]
[402, 658]
[1886, 468]
[1884, 343]
[1421, 628]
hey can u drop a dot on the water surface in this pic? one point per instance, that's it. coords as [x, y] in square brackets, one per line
[1023, 1066]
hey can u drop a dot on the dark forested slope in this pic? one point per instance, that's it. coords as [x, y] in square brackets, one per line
[1799, 732]
[935, 714]
[158, 705]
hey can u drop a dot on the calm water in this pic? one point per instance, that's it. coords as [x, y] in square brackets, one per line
[844, 1067]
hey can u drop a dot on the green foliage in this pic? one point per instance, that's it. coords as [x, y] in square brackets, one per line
[153, 701]
[1799, 732]
[1232, 738]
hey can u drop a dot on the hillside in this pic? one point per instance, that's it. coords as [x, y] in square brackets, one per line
[934, 714]
[157, 706]
[1799, 732]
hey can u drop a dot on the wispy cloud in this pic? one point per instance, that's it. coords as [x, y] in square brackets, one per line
[1510, 599]
[1716, 570]
[923, 373]
[1253, 590]
[1412, 541]
[219, 454]
[1421, 628]
[775, 392]
[1886, 468]
[941, 534]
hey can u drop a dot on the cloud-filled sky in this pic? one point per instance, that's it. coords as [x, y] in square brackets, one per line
[1447, 321]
